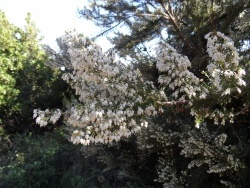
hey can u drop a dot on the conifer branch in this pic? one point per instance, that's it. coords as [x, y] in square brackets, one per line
[107, 30]
[167, 14]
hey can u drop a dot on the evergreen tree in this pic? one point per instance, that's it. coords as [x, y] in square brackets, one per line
[185, 22]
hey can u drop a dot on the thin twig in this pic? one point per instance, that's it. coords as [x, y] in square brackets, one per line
[244, 109]
[171, 103]
[151, 15]
[107, 30]
[240, 142]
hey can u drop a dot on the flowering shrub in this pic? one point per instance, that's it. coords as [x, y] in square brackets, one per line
[115, 101]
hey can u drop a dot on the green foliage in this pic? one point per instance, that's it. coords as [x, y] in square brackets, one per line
[26, 82]
[48, 160]
[9, 64]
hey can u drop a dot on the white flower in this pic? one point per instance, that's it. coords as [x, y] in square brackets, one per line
[226, 92]
[241, 72]
[139, 111]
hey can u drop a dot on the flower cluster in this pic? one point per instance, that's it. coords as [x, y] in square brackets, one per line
[223, 72]
[47, 116]
[223, 69]
[114, 100]
[176, 76]
[225, 78]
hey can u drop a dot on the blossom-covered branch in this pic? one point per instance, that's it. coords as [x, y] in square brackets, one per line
[114, 100]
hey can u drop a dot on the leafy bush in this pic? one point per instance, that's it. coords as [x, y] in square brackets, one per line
[47, 160]
[26, 82]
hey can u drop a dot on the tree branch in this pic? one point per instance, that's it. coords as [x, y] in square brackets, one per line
[107, 30]
[244, 110]
[171, 103]
[167, 14]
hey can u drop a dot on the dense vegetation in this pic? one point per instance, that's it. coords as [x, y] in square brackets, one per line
[29, 156]
[174, 116]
